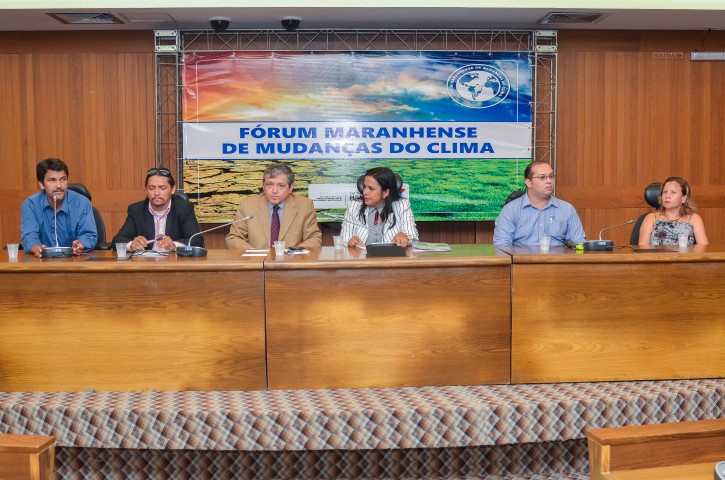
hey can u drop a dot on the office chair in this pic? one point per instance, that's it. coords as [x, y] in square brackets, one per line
[100, 225]
[652, 197]
[181, 195]
[514, 195]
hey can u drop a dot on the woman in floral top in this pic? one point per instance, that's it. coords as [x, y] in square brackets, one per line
[675, 216]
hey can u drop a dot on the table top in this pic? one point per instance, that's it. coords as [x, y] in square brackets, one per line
[620, 254]
[105, 260]
[331, 258]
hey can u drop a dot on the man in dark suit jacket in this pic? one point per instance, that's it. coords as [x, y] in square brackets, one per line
[162, 221]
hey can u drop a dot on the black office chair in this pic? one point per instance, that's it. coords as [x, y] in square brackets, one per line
[361, 182]
[100, 225]
[181, 195]
[514, 195]
[652, 197]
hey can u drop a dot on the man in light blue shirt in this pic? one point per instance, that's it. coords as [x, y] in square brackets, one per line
[538, 212]
[76, 226]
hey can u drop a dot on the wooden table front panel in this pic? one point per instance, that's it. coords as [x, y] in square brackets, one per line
[348, 327]
[617, 321]
[121, 328]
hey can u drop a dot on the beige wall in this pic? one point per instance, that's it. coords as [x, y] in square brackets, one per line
[626, 118]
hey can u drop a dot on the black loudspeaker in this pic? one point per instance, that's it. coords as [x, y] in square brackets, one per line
[599, 245]
[384, 250]
[361, 183]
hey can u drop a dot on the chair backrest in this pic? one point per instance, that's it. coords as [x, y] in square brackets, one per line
[181, 195]
[514, 195]
[361, 182]
[100, 225]
[652, 197]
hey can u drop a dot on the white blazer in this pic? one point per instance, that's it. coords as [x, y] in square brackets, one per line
[404, 222]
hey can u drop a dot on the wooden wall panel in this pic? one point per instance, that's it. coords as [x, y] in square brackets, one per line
[625, 118]
[628, 117]
[85, 97]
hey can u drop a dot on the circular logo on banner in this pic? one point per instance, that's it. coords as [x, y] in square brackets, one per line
[478, 86]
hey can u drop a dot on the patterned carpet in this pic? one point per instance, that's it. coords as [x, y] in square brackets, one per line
[487, 431]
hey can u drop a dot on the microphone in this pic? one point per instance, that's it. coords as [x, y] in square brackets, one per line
[192, 251]
[604, 244]
[57, 251]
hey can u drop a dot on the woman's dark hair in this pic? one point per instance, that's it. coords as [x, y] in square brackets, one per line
[386, 179]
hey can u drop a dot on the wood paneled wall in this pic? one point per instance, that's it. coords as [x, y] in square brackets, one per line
[632, 109]
[84, 97]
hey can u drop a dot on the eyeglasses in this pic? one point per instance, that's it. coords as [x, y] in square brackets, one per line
[550, 176]
[158, 171]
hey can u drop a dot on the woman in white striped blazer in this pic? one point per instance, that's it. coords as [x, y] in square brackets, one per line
[382, 215]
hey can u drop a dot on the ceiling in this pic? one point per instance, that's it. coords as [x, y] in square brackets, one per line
[461, 16]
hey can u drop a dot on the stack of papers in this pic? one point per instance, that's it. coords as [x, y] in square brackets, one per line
[430, 247]
[296, 251]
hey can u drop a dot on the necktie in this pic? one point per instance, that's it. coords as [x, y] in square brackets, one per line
[378, 217]
[275, 224]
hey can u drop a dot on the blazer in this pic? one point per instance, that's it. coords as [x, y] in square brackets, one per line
[404, 222]
[298, 226]
[180, 224]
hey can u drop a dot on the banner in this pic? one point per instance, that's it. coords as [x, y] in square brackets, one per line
[442, 120]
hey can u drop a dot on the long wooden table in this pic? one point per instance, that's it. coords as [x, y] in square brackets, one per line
[619, 315]
[166, 323]
[337, 319]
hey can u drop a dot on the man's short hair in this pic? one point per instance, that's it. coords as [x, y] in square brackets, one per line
[276, 169]
[161, 172]
[55, 164]
[530, 166]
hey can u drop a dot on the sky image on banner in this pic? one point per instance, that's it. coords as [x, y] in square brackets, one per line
[457, 127]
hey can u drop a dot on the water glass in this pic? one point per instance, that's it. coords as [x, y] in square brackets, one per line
[339, 244]
[279, 247]
[121, 250]
[13, 250]
[544, 242]
[682, 239]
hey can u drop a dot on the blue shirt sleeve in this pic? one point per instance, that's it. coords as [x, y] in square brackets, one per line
[29, 225]
[503, 232]
[574, 228]
[84, 224]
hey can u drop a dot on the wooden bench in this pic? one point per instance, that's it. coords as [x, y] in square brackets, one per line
[40, 451]
[667, 451]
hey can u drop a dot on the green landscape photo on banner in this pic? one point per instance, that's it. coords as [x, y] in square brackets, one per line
[455, 125]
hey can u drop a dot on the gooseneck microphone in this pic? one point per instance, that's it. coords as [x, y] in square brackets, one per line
[192, 251]
[57, 251]
[604, 244]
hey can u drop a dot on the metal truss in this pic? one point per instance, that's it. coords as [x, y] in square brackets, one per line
[170, 45]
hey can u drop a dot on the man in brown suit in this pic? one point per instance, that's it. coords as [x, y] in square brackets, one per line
[276, 213]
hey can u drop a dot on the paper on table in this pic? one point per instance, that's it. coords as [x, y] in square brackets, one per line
[430, 247]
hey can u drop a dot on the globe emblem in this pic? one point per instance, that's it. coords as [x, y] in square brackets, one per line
[478, 86]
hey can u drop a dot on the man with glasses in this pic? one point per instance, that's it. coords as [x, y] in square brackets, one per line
[278, 214]
[162, 221]
[55, 204]
[538, 213]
